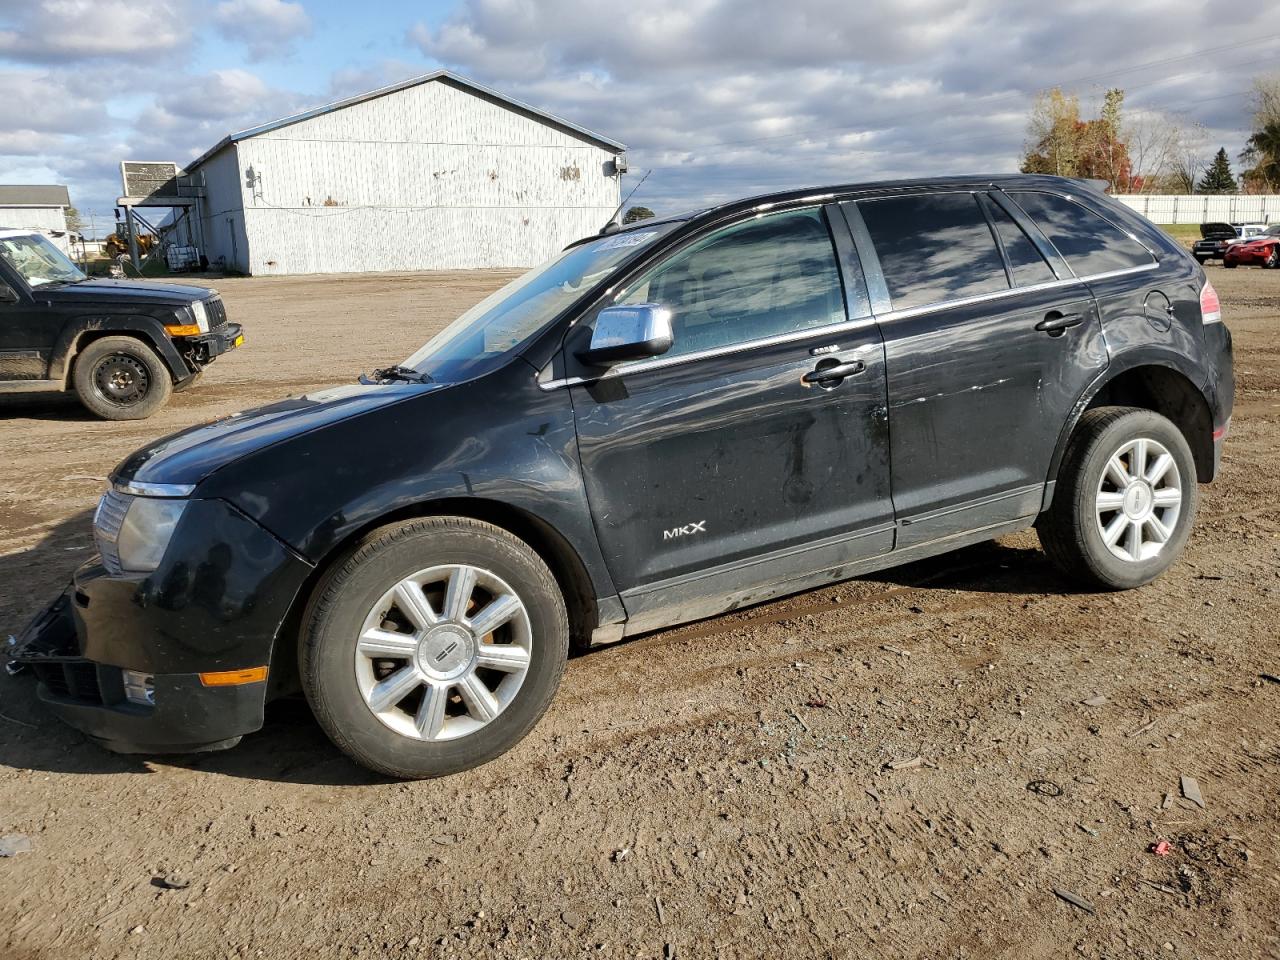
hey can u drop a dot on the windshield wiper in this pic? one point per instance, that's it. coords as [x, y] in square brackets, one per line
[397, 372]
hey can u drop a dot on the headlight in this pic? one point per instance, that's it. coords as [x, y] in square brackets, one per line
[133, 532]
[201, 314]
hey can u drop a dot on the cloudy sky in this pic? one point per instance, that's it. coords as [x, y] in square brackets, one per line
[718, 97]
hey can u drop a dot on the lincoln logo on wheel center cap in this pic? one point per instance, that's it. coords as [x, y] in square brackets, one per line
[446, 651]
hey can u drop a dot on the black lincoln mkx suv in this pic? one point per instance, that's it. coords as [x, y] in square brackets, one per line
[663, 423]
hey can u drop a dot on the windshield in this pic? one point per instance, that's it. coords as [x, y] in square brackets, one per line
[509, 318]
[38, 260]
[1273, 230]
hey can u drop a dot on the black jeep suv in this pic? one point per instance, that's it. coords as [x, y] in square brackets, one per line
[663, 423]
[122, 346]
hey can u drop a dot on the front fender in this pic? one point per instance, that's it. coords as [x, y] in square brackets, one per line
[80, 330]
[496, 440]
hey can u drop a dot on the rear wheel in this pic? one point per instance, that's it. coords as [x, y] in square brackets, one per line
[1125, 500]
[1230, 264]
[1273, 258]
[121, 378]
[433, 647]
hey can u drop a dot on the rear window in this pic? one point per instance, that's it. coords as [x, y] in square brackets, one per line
[934, 248]
[1088, 242]
[1025, 262]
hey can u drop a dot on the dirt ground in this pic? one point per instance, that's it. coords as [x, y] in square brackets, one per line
[722, 789]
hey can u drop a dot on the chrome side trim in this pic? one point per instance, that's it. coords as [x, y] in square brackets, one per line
[173, 490]
[662, 362]
[926, 308]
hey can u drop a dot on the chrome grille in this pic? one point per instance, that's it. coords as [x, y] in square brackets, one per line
[106, 527]
[217, 312]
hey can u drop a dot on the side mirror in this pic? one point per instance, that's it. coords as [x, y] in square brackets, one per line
[7, 293]
[628, 333]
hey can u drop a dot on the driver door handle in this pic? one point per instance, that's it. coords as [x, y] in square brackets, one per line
[830, 371]
[1055, 322]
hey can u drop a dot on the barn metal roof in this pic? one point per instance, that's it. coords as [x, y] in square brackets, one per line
[34, 195]
[447, 76]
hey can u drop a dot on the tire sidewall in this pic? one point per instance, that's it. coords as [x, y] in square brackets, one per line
[327, 658]
[96, 402]
[1145, 424]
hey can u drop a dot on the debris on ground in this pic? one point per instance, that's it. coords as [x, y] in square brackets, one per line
[12, 844]
[1270, 677]
[1045, 788]
[1074, 899]
[662, 914]
[912, 764]
[171, 881]
[1161, 848]
[620, 855]
[1097, 701]
[1163, 888]
[1191, 790]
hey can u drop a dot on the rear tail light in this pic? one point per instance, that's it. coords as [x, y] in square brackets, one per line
[1210, 305]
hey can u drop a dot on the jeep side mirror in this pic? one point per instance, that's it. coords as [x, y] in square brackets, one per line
[7, 293]
[628, 333]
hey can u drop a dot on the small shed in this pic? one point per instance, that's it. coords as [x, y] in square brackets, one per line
[40, 207]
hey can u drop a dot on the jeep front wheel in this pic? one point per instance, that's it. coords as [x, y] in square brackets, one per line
[433, 647]
[121, 378]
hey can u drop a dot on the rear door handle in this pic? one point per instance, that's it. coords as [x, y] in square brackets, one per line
[829, 372]
[1055, 322]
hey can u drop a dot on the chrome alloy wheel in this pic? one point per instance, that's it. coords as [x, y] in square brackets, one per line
[1139, 500]
[443, 652]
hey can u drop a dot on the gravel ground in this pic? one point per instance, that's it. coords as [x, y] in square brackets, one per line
[959, 758]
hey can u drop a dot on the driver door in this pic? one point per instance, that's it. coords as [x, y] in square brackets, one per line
[27, 331]
[716, 475]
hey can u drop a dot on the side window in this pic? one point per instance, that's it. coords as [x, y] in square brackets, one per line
[1025, 262]
[933, 248]
[768, 276]
[1089, 243]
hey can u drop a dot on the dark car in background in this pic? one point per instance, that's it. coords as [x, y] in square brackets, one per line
[1214, 238]
[665, 422]
[122, 346]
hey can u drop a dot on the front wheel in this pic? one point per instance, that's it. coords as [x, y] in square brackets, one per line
[1125, 500]
[1202, 260]
[121, 378]
[1273, 258]
[433, 647]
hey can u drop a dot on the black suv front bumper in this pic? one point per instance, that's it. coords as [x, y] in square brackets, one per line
[208, 346]
[185, 716]
[214, 607]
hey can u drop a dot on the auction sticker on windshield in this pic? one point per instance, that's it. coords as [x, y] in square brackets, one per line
[628, 240]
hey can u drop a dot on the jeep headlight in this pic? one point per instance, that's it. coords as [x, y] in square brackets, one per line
[201, 314]
[132, 532]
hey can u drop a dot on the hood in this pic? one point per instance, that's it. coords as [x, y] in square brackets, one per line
[97, 290]
[191, 455]
[1218, 231]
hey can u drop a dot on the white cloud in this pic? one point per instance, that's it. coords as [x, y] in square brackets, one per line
[728, 97]
[59, 31]
[268, 28]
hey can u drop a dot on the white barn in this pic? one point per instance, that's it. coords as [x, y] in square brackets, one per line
[433, 173]
[40, 207]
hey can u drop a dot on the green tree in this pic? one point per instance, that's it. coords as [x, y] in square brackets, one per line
[636, 214]
[1218, 177]
[1263, 156]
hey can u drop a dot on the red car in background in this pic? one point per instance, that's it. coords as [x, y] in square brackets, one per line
[1263, 251]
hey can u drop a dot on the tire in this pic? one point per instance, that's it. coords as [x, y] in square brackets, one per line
[1071, 530]
[1202, 260]
[1273, 258]
[1230, 265]
[343, 665]
[121, 378]
[189, 382]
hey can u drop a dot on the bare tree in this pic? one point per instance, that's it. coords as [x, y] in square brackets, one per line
[1191, 157]
[1265, 100]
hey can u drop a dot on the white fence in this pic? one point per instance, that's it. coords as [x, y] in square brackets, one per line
[1204, 208]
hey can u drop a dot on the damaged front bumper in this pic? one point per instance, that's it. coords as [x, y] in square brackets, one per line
[129, 711]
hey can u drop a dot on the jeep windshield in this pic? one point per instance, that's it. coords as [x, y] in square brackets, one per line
[506, 320]
[38, 261]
